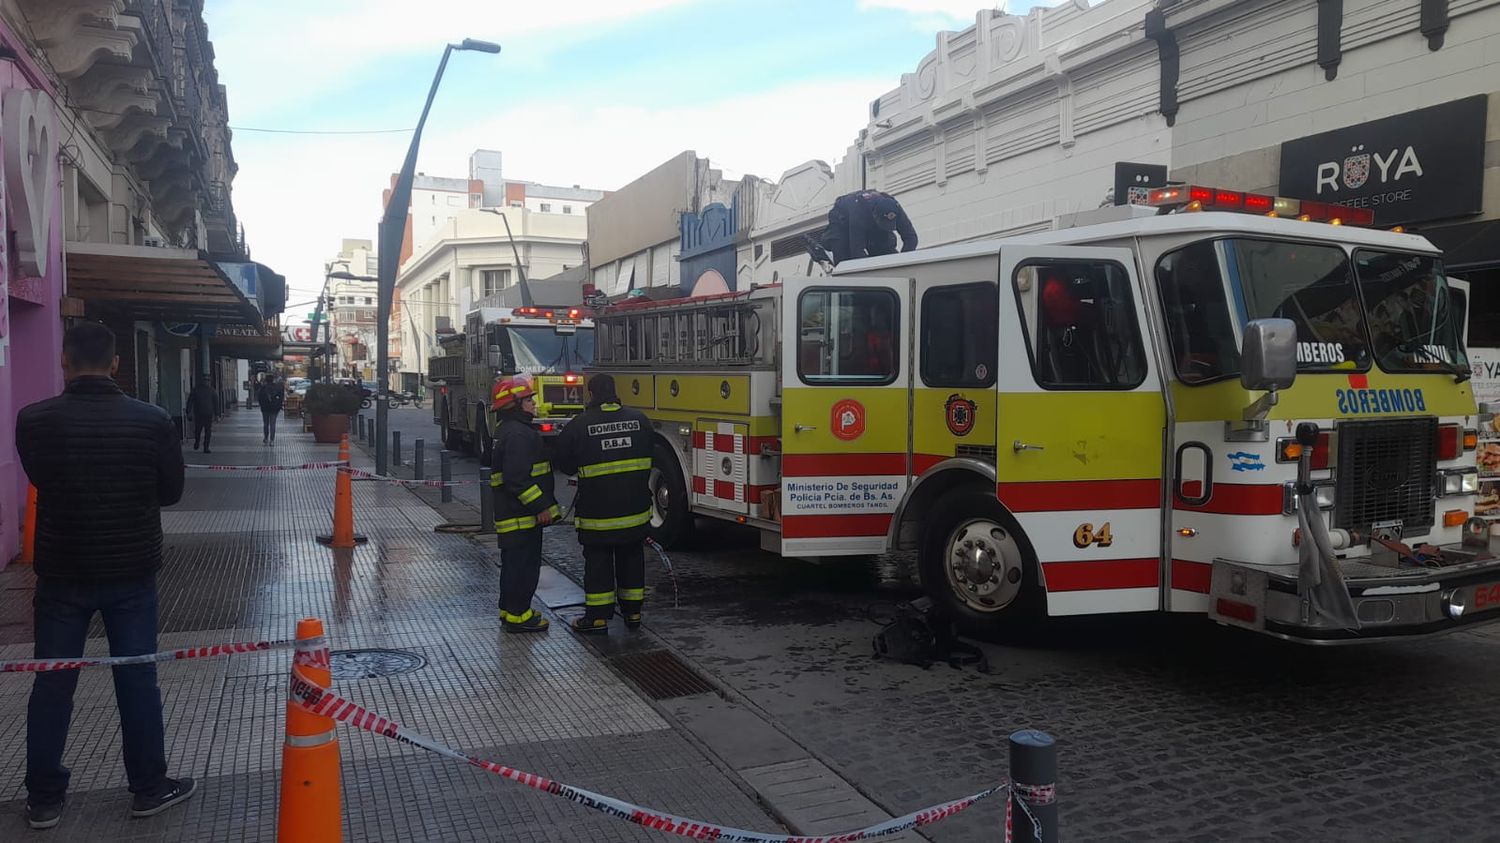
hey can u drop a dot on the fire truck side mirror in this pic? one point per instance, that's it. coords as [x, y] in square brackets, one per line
[495, 357]
[1269, 359]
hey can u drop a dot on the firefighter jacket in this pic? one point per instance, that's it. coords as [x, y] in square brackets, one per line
[609, 448]
[520, 481]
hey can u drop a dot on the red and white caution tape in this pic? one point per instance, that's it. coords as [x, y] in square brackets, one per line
[369, 475]
[211, 651]
[312, 697]
[307, 466]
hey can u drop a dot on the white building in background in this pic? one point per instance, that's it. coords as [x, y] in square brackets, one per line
[352, 311]
[437, 202]
[471, 258]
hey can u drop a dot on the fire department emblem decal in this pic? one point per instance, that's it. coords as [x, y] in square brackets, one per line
[960, 413]
[848, 419]
[1356, 169]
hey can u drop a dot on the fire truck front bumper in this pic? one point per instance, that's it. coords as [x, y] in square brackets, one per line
[1391, 603]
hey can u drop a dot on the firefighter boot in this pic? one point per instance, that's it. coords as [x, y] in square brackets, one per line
[530, 621]
[591, 623]
[630, 606]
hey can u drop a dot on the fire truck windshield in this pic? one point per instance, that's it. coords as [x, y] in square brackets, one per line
[1410, 312]
[540, 350]
[1209, 290]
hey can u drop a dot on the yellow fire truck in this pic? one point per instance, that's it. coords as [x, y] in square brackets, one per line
[550, 345]
[1103, 418]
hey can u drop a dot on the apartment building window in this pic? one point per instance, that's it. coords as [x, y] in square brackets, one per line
[518, 204]
[546, 208]
[495, 280]
[567, 209]
[369, 300]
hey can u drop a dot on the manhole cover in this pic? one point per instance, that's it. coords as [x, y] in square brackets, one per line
[371, 664]
[661, 675]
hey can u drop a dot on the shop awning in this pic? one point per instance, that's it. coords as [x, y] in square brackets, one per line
[155, 284]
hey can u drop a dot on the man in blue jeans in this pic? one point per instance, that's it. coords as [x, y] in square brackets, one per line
[103, 465]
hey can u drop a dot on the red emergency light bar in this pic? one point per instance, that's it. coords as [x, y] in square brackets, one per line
[1189, 197]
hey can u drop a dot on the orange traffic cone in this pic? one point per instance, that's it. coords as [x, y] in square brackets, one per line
[310, 809]
[28, 528]
[343, 505]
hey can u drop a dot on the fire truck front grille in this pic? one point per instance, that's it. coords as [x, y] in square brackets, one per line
[1386, 471]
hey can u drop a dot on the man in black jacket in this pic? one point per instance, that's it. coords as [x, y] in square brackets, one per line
[521, 484]
[609, 447]
[865, 224]
[271, 397]
[103, 465]
[203, 408]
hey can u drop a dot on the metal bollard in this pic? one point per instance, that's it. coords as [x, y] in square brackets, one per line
[1033, 779]
[486, 503]
[395, 447]
[361, 427]
[418, 471]
[445, 473]
[370, 429]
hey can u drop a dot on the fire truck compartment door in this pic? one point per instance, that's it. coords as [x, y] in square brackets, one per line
[1080, 418]
[846, 436]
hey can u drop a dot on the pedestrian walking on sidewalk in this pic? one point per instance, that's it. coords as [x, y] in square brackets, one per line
[271, 397]
[203, 408]
[103, 465]
[521, 483]
[609, 447]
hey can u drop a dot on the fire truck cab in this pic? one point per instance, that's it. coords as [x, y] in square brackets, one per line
[549, 345]
[1090, 420]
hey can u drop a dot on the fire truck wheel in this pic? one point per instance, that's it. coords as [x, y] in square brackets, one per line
[671, 519]
[482, 440]
[976, 563]
[453, 439]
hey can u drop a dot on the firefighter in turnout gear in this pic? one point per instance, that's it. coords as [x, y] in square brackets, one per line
[521, 483]
[609, 448]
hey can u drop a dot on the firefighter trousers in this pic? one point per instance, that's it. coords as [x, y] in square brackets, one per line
[520, 569]
[613, 573]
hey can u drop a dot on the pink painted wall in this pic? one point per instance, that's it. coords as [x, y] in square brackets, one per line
[30, 371]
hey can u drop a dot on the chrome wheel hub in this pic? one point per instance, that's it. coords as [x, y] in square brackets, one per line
[983, 565]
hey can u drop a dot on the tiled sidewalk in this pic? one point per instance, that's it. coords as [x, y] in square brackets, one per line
[242, 565]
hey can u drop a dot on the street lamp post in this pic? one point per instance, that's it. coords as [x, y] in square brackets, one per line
[392, 233]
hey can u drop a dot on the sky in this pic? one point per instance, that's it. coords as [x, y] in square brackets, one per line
[587, 92]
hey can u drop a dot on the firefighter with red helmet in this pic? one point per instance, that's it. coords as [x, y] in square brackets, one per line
[521, 486]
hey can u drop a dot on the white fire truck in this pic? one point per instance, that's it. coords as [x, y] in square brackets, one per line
[549, 345]
[1099, 419]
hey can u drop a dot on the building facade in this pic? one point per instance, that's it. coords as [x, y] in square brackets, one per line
[635, 234]
[117, 167]
[473, 259]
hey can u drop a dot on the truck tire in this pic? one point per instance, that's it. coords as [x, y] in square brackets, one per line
[671, 513]
[453, 439]
[978, 566]
[482, 441]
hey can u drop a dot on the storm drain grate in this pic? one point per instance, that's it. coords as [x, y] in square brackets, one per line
[372, 664]
[661, 675]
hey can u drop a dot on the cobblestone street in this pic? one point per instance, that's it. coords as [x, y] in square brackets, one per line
[1169, 728]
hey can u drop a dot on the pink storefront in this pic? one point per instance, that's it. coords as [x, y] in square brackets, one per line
[31, 264]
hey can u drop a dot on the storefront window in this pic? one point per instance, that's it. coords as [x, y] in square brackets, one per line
[848, 337]
[1209, 290]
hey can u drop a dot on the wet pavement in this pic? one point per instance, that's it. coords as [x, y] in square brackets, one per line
[242, 565]
[1168, 727]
